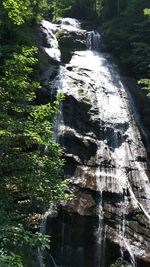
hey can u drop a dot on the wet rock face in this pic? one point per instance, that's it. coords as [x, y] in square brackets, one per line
[109, 217]
[47, 41]
[72, 40]
[77, 247]
[69, 41]
[82, 203]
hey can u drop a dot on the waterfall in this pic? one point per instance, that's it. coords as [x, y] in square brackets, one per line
[50, 46]
[106, 162]
[70, 24]
[124, 244]
[93, 40]
[99, 232]
[51, 212]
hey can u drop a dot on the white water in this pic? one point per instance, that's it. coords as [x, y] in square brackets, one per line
[124, 243]
[113, 104]
[99, 232]
[70, 24]
[51, 212]
[94, 79]
[93, 40]
[51, 48]
[120, 110]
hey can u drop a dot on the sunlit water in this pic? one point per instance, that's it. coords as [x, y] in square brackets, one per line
[70, 24]
[93, 40]
[52, 48]
[51, 212]
[91, 77]
[102, 87]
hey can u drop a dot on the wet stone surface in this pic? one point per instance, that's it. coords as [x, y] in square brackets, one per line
[109, 217]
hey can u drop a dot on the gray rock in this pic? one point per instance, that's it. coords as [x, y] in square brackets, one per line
[106, 162]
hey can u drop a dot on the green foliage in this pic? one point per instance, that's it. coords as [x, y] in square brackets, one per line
[24, 126]
[18, 246]
[119, 262]
[31, 165]
[40, 8]
[145, 85]
[11, 260]
[146, 82]
[20, 11]
[30, 158]
[147, 11]
[61, 7]
[75, 8]
[59, 34]
[126, 33]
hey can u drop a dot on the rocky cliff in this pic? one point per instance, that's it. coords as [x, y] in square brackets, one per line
[107, 221]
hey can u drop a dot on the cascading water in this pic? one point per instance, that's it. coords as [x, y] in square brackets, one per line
[70, 24]
[51, 45]
[93, 40]
[99, 233]
[105, 157]
[51, 212]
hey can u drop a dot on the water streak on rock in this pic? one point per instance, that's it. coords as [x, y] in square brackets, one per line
[50, 47]
[70, 24]
[93, 40]
[105, 159]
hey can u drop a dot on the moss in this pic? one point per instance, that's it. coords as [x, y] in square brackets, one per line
[57, 19]
[119, 263]
[60, 33]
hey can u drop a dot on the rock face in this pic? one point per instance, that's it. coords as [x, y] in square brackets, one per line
[107, 221]
[47, 41]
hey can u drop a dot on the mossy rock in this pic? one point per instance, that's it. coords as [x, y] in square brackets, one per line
[60, 33]
[119, 263]
[71, 40]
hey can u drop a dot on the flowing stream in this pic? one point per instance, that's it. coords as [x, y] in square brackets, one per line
[99, 134]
